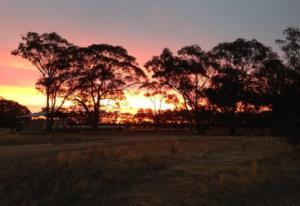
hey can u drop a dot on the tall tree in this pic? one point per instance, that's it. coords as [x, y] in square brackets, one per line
[102, 73]
[187, 74]
[47, 53]
[291, 47]
[235, 81]
[286, 108]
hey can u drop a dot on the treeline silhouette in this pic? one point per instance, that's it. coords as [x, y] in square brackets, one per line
[10, 111]
[169, 119]
[236, 83]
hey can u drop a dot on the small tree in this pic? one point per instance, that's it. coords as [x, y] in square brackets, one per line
[157, 97]
[10, 111]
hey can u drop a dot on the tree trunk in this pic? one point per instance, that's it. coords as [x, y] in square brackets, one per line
[90, 117]
[51, 121]
[156, 122]
[231, 123]
[232, 130]
[48, 123]
[96, 117]
[200, 128]
[199, 124]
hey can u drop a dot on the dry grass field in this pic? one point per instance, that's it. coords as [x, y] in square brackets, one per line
[143, 169]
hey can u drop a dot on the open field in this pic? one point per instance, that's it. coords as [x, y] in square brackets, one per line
[119, 168]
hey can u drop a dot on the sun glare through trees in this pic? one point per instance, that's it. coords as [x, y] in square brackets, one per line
[136, 102]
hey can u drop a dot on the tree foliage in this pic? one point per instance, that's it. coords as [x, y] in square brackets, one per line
[286, 104]
[10, 111]
[291, 47]
[187, 74]
[234, 82]
[101, 73]
[47, 53]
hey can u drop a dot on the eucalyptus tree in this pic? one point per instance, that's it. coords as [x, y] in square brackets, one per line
[187, 74]
[286, 105]
[291, 48]
[280, 86]
[47, 53]
[101, 73]
[235, 84]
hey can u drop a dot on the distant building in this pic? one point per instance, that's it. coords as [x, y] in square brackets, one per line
[37, 122]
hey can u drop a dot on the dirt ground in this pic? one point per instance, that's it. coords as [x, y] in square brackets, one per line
[138, 168]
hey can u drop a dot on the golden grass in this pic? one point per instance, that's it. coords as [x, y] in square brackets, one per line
[153, 170]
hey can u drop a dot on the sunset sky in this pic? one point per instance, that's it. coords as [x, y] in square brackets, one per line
[143, 27]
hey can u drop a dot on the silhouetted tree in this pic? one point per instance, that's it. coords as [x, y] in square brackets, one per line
[157, 96]
[187, 74]
[175, 118]
[47, 53]
[144, 116]
[291, 48]
[236, 64]
[108, 117]
[102, 73]
[126, 118]
[10, 111]
[226, 92]
[285, 82]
